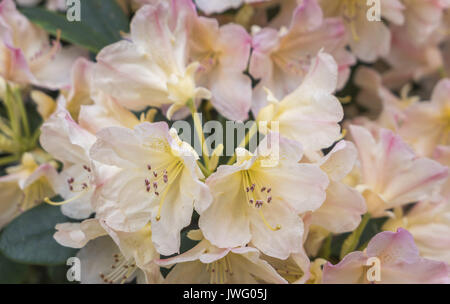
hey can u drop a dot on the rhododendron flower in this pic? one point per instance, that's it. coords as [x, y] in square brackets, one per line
[429, 224]
[392, 175]
[427, 124]
[368, 39]
[310, 114]
[27, 56]
[158, 182]
[105, 112]
[442, 155]
[294, 269]
[429, 221]
[257, 203]
[281, 59]
[80, 90]
[422, 18]
[109, 256]
[24, 186]
[206, 263]
[223, 53]
[151, 68]
[70, 143]
[344, 205]
[409, 61]
[387, 108]
[399, 262]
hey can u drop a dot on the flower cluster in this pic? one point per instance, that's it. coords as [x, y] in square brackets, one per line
[340, 138]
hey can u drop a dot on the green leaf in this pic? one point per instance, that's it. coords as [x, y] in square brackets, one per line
[29, 239]
[11, 273]
[325, 250]
[353, 239]
[101, 23]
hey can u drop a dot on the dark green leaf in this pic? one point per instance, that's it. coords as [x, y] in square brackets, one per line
[11, 273]
[101, 23]
[29, 239]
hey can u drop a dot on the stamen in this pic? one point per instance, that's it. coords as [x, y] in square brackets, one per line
[257, 198]
[122, 270]
[276, 228]
[175, 168]
[50, 202]
[220, 271]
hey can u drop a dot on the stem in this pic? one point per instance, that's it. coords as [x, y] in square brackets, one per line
[199, 131]
[15, 125]
[205, 171]
[244, 142]
[23, 114]
[325, 250]
[8, 159]
[353, 239]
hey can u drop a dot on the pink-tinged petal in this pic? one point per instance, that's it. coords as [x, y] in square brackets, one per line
[415, 178]
[421, 127]
[159, 29]
[339, 161]
[283, 242]
[365, 143]
[348, 271]
[106, 112]
[374, 40]
[401, 262]
[235, 43]
[223, 54]
[282, 59]
[16, 67]
[441, 93]
[307, 16]
[231, 91]
[121, 147]
[392, 170]
[121, 63]
[423, 272]
[322, 75]
[77, 235]
[65, 139]
[341, 212]
[54, 74]
[393, 247]
[393, 11]
[422, 18]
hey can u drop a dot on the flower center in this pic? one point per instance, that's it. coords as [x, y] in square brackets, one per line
[159, 181]
[220, 271]
[257, 195]
[208, 62]
[121, 270]
[78, 186]
[298, 66]
[290, 272]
